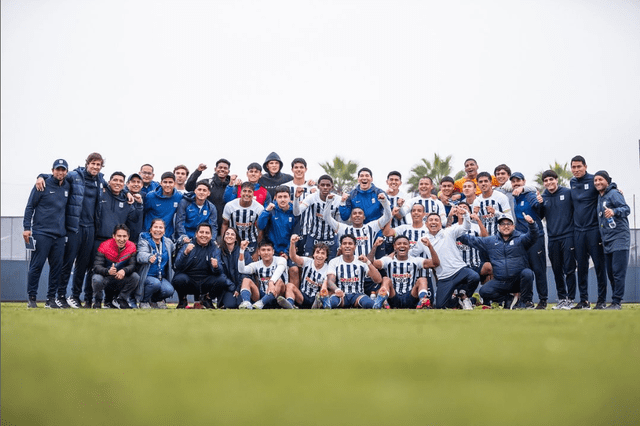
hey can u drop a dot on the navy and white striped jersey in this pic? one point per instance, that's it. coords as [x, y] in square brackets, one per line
[243, 219]
[414, 235]
[393, 201]
[470, 255]
[403, 273]
[311, 279]
[311, 222]
[430, 206]
[277, 270]
[500, 204]
[349, 276]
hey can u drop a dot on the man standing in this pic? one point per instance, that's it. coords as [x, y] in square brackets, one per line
[45, 226]
[364, 196]
[233, 191]
[588, 241]
[277, 221]
[163, 203]
[134, 185]
[614, 230]
[218, 183]
[490, 204]
[556, 207]
[114, 268]
[194, 209]
[507, 253]
[242, 215]
[273, 177]
[181, 173]
[471, 170]
[527, 203]
[199, 270]
[426, 199]
[148, 184]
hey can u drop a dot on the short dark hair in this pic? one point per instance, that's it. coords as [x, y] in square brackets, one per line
[300, 161]
[470, 159]
[470, 181]
[419, 204]
[464, 203]
[265, 243]
[434, 214]
[502, 167]
[117, 174]
[353, 238]
[94, 156]
[427, 177]
[204, 224]
[121, 226]
[365, 169]
[247, 185]
[398, 237]
[326, 177]
[447, 179]
[168, 175]
[394, 173]
[282, 188]
[483, 174]
[321, 246]
[223, 160]
[579, 158]
[181, 166]
[203, 182]
[147, 164]
[549, 173]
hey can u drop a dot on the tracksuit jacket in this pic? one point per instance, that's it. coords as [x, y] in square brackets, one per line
[618, 238]
[198, 262]
[156, 204]
[527, 203]
[47, 209]
[218, 186]
[557, 208]
[584, 197]
[189, 216]
[366, 200]
[114, 210]
[279, 226]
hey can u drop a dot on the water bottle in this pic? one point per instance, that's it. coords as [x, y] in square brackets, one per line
[611, 221]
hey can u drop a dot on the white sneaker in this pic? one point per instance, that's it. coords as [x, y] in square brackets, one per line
[568, 304]
[258, 305]
[245, 305]
[161, 304]
[466, 304]
[145, 305]
[74, 303]
[560, 305]
[284, 303]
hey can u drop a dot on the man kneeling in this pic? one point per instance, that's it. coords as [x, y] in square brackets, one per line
[270, 271]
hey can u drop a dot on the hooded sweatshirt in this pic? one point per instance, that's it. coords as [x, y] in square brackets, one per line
[271, 182]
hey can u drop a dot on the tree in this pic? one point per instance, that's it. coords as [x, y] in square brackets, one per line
[343, 173]
[436, 170]
[564, 174]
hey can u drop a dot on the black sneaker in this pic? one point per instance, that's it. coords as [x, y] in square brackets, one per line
[51, 304]
[87, 305]
[31, 303]
[600, 305]
[614, 306]
[526, 305]
[121, 303]
[206, 302]
[182, 304]
[74, 302]
[97, 304]
[62, 303]
[109, 305]
[542, 304]
[583, 304]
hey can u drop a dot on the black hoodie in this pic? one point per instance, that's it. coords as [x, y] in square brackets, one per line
[271, 182]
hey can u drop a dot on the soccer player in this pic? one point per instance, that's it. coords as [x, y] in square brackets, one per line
[447, 196]
[490, 204]
[163, 203]
[405, 285]
[155, 254]
[427, 199]
[471, 170]
[45, 225]
[199, 270]
[587, 239]
[364, 196]
[456, 281]
[527, 202]
[556, 207]
[346, 276]
[234, 190]
[614, 230]
[472, 256]
[114, 268]
[469, 192]
[507, 253]
[414, 231]
[300, 188]
[270, 272]
[396, 197]
[194, 209]
[312, 276]
[242, 215]
[218, 183]
[277, 221]
[182, 173]
[273, 176]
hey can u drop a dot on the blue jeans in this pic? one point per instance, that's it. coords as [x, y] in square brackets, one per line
[156, 289]
[47, 248]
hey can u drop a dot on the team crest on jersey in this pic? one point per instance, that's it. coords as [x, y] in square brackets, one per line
[66, 193]
[511, 243]
[175, 204]
[586, 186]
[121, 205]
[522, 203]
[562, 198]
[204, 212]
[373, 201]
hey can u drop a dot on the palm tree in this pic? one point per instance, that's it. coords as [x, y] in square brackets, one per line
[343, 173]
[436, 170]
[564, 174]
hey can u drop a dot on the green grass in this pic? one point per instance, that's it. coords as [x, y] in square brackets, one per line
[350, 367]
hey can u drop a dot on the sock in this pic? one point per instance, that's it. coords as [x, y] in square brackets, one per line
[268, 298]
[335, 301]
[293, 303]
[366, 303]
[246, 295]
[423, 294]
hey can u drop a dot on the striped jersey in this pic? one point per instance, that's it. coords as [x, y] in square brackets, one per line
[311, 279]
[311, 221]
[349, 275]
[499, 202]
[393, 202]
[430, 206]
[470, 255]
[414, 235]
[277, 270]
[243, 219]
[403, 273]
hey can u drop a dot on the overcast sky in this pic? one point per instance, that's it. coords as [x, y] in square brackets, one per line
[384, 83]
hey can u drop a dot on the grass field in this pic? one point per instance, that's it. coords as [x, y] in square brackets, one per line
[347, 367]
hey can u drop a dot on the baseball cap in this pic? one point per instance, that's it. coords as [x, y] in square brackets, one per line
[60, 163]
[134, 175]
[517, 175]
